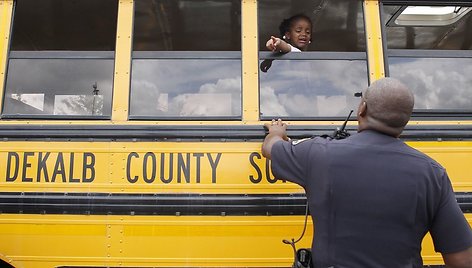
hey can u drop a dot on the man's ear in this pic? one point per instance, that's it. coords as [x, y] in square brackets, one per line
[362, 109]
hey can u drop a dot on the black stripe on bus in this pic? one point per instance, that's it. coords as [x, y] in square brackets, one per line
[164, 204]
[206, 132]
[425, 266]
[428, 2]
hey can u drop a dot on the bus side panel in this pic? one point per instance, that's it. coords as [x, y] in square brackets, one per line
[148, 241]
[40, 231]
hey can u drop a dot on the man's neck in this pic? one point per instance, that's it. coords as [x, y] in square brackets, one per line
[373, 124]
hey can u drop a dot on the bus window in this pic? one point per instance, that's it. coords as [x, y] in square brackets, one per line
[319, 82]
[430, 49]
[186, 60]
[61, 59]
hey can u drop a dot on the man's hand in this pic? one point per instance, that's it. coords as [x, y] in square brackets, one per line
[277, 132]
[277, 128]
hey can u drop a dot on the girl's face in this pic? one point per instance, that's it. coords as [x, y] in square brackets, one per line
[300, 34]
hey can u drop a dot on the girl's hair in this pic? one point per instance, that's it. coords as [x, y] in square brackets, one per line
[286, 24]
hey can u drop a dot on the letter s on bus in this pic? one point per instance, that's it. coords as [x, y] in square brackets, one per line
[256, 167]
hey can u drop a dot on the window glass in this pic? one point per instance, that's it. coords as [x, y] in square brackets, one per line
[190, 88]
[85, 25]
[59, 87]
[61, 59]
[430, 50]
[429, 32]
[320, 81]
[187, 25]
[186, 59]
[438, 83]
[298, 89]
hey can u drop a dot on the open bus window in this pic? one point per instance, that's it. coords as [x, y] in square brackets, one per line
[429, 48]
[186, 60]
[319, 82]
[61, 59]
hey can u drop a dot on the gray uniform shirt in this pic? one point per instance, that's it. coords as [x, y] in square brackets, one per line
[372, 199]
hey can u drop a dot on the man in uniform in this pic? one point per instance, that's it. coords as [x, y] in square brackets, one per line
[373, 198]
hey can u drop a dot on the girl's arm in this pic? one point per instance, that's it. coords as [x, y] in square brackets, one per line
[276, 44]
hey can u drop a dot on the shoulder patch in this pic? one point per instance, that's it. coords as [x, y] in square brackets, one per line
[295, 142]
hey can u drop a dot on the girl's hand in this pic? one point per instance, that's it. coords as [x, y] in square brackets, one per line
[273, 43]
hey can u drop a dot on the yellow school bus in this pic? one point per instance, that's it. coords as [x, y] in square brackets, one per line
[130, 130]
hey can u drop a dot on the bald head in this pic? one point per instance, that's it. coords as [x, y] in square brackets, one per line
[388, 106]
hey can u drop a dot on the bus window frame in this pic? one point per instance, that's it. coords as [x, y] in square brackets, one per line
[186, 55]
[425, 114]
[318, 55]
